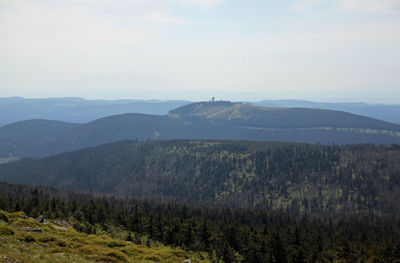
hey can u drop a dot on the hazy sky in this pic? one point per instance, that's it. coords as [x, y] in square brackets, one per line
[326, 50]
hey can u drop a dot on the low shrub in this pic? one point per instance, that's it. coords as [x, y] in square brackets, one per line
[153, 258]
[6, 231]
[27, 238]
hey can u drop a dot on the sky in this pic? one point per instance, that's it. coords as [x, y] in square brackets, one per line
[321, 50]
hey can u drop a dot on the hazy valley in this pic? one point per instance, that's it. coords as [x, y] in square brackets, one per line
[206, 120]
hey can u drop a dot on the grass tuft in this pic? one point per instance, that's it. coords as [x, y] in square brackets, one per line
[4, 216]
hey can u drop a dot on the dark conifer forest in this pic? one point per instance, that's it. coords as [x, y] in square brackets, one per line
[226, 234]
[236, 201]
[270, 176]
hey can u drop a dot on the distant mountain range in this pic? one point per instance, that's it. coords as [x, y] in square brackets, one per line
[204, 120]
[79, 110]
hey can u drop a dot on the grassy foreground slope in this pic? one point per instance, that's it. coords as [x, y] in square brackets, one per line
[23, 239]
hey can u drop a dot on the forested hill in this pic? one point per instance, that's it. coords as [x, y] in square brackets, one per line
[390, 113]
[299, 177]
[246, 115]
[216, 120]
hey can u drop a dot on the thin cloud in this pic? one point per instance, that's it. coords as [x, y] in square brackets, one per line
[375, 7]
[153, 3]
[159, 17]
[305, 5]
[379, 7]
[201, 3]
[30, 29]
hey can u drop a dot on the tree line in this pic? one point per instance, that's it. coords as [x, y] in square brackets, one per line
[228, 234]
